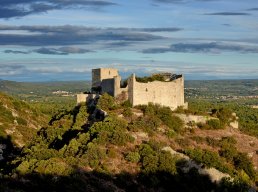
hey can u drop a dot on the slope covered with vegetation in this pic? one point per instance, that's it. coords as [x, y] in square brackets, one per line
[80, 151]
[19, 120]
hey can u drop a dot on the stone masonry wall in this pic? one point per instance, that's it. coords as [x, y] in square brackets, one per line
[82, 98]
[107, 86]
[103, 73]
[169, 94]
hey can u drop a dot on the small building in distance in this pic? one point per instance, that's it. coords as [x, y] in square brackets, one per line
[165, 89]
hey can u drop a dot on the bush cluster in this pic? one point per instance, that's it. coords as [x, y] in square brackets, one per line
[106, 102]
[156, 77]
[159, 114]
[155, 160]
[210, 159]
[112, 130]
[240, 161]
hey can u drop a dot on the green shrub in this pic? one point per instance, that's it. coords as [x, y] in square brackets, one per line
[81, 116]
[227, 142]
[133, 157]
[155, 160]
[174, 123]
[213, 142]
[147, 124]
[224, 115]
[211, 124]
[73, 148]
[214, 124]
[150, 163]
[145, 149]
[127, 112]
[106, 102]
[111, 130]
[202, 125]
[94, 155]
[210, 159]
[127, 104]
[171, 133]
[164, 114]
[228, 153]
[167, 163]
[21, 121]
[53, 166]
[6, 115]
[241, 161]
[120, 138]
[83, 138]
[23, 168]
[154, 77]
[111, 153]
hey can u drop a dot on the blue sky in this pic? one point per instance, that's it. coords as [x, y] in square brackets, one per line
[45, 40]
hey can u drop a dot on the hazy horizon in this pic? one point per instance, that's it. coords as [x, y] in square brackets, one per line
[63, 40]
[123, 78]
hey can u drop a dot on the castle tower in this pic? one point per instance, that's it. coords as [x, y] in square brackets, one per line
[102, 73]
[167, 92]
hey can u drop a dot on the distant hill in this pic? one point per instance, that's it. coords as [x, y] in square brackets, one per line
[43, 88]
[19, 120]
[214, 88]
[45, 92]
[242, 87]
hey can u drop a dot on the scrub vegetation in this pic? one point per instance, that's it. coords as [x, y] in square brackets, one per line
[70, 148]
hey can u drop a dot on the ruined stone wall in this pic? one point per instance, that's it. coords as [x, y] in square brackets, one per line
[169, 94]
[187, 118]
[112, 86]
[95, 75]
[103, 73]
[131, 84]
[117, 87]
[107, 86]
[82, 98]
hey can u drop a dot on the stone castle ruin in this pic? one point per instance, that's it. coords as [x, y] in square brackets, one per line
[167, 90]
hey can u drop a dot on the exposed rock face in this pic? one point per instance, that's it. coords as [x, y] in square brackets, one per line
[194, 118]
[142, 136]
[214, 174]
[234, 121]
[234, 124]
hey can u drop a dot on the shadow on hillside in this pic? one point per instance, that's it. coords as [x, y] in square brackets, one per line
[60, 114]
[8, 152]
[81, 181]
[66, 138]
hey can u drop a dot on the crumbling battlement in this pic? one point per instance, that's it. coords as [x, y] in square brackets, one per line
[169, 92]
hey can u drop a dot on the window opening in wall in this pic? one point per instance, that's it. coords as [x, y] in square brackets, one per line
[146, 89]
[109, 72]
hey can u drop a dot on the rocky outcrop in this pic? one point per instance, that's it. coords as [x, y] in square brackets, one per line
[187, 118]
[214, 174]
